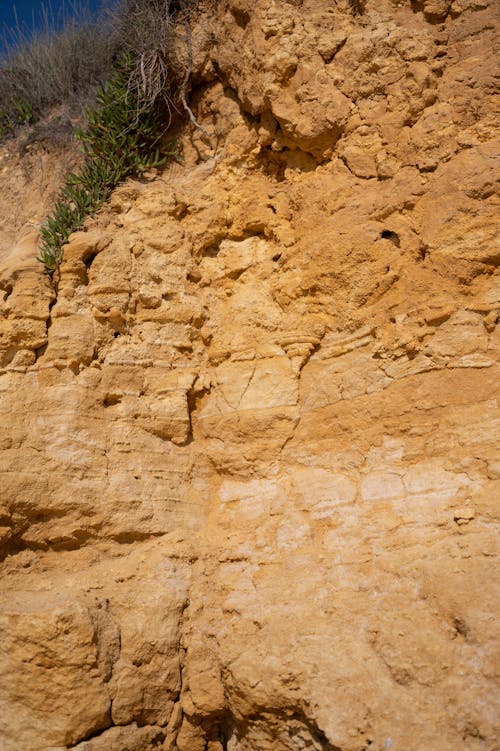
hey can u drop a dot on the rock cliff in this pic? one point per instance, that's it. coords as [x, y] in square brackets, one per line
[249, 444]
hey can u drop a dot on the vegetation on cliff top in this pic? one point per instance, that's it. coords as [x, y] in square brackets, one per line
[122, 138]
[114, 73]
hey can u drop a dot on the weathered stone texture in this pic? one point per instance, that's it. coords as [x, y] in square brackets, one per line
[249, 450]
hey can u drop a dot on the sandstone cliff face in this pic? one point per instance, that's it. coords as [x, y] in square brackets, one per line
[249, 450]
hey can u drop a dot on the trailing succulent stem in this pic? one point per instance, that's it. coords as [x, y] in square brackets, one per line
[122, 138]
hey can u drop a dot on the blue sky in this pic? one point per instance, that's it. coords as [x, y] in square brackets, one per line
[30, 14]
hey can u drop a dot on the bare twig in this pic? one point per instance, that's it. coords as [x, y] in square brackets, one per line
[185, 81]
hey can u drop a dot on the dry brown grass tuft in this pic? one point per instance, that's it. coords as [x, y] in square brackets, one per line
[147, 30]
[62, 68]
[54, 68]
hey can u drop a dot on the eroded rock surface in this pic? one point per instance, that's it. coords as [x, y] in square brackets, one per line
[249, 446]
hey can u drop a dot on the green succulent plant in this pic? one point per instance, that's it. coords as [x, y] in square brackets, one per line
[122, 138]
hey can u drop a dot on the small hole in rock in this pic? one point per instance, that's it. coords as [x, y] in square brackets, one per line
[211, 252]
[241, 17]
[393, 237]
[88, 260]
[461, 627]
[111, 399]
[277, 257]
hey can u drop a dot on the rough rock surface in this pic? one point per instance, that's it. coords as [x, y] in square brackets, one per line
[249, 449]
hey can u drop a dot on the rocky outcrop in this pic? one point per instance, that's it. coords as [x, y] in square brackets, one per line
[249, 444]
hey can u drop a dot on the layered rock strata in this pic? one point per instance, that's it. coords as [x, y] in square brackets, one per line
[249, 439]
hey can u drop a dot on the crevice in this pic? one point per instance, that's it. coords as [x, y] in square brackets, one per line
[40, 351]
[426, 170]
[88, 260]
[127, 538]
[93, 734]
[157, 738]
[78, 540]
[107, 637]
[194, 397]
[51, 305]
[16, 545]
[48, 323]
[422, 252]
[330, 56]
[315, 731]
[235, 275]
[7, 290]
[258, 229]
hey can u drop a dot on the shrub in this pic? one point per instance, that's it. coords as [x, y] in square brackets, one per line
[122, 139]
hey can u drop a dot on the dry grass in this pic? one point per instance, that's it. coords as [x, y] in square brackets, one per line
[63, 67]
[145, 29]
[52, 68]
